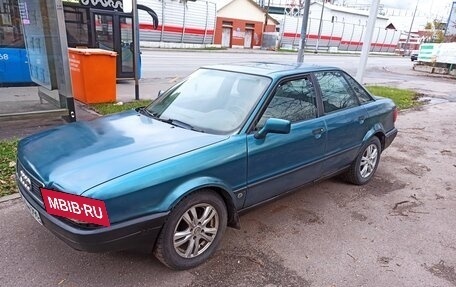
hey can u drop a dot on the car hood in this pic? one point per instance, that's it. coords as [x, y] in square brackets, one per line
[75, 157]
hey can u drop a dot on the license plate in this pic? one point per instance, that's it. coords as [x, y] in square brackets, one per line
[33, 212]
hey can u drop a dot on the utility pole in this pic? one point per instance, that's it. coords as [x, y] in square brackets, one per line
[410, 30]
[266, 16]
[305, 19]
[319, 27]
[136, 46]
[367, 40]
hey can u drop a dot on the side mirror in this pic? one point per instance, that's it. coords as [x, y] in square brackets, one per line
[275, 126]
[160, 93]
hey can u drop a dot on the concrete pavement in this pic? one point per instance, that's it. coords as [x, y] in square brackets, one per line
[398, 230]
[20, 99]
[395, 231]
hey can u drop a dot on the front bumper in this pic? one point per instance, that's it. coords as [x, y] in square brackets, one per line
[139, 233]
[389, 137]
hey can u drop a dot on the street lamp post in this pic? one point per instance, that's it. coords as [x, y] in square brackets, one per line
[302, 44]
[319, 27]
[136, 46]
[410, 30]
[367, 40]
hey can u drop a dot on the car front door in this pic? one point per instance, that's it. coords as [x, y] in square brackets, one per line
[280, 162]
[345, 120]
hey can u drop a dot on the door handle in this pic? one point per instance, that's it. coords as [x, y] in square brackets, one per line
[317, 132]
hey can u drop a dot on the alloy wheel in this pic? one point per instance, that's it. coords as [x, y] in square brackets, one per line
[368, 161]
[196, 230]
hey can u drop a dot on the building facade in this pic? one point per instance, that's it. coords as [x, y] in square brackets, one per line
[241, 23]
[337, 27]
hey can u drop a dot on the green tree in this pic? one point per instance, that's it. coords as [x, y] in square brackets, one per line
[439, 36]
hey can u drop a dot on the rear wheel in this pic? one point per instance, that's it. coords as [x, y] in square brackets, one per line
[193, 231]
[365, 165]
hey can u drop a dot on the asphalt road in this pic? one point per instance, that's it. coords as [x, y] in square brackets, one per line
[165, 63]
[162, 68]
[396, 231]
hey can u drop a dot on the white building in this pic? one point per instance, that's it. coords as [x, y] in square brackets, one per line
[341, 27]
[189, 22]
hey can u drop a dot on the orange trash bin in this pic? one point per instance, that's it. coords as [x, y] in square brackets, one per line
[93, 75]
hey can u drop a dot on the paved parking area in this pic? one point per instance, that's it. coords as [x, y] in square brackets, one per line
[396, 231]
[399, 230]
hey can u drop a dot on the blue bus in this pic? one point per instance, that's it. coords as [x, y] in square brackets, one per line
[86, 26]
[14, 68]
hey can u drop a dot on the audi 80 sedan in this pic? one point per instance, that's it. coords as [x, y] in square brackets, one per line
[173, 175]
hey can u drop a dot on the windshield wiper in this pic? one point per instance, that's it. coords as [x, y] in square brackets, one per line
[148, 113]
[181, 124]
[173, 122]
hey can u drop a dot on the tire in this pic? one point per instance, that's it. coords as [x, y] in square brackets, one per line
[366, 163]
[182, 229]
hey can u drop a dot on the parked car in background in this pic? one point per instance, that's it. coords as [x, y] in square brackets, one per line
[174, 174]
[414, 55]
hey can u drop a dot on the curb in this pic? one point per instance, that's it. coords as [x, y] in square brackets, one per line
[261, 51]
[414, 72]
[89, 110]
[9, 197]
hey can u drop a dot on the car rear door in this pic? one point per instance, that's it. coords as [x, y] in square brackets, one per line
[345, 120]
[281, 162]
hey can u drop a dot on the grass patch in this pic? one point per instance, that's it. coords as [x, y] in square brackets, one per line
[404, 99]
[8, 149]
[209, 49]
[112, 108]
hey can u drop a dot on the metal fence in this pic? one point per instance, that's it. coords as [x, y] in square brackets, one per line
[340, 35]
[186, 22]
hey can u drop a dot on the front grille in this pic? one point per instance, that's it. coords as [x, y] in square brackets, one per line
[82, 225]
[35, 185]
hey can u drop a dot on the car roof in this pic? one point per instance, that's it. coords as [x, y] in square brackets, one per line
[270, 69]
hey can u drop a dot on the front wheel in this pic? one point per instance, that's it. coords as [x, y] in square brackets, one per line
[365, 165]
[193, 231]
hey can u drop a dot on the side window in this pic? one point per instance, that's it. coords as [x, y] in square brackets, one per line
[293, 100]
[335, 92]
[362, 95]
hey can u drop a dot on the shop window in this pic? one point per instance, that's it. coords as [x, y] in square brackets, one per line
[227, 23]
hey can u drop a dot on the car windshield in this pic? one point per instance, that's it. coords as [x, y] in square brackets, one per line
[210, 101]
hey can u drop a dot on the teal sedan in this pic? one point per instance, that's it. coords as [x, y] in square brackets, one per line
[173, 175]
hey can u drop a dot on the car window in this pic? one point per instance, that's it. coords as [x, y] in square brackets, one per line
[362, 95]
[335, 92]
[293, 100]
[211, 101]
